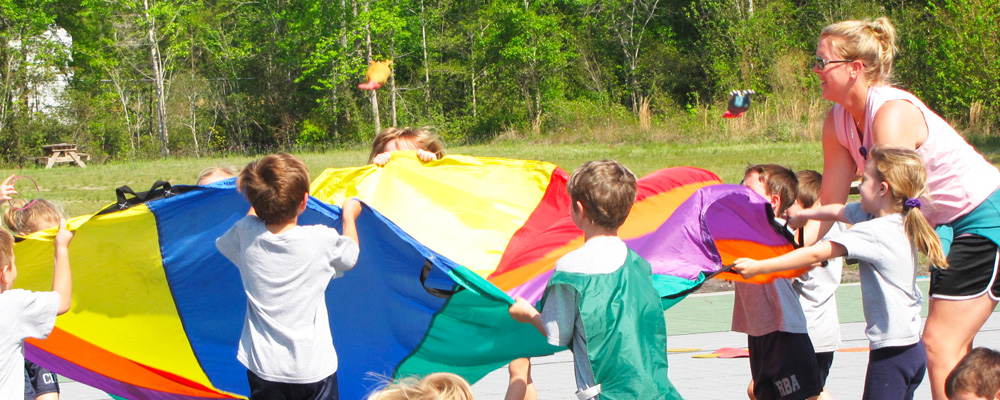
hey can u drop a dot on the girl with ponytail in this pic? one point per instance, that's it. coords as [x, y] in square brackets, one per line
[889, 228]
[854, 64]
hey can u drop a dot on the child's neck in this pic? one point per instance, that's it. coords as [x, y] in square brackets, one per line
[596, 231]
[282, 227]
[886, 208]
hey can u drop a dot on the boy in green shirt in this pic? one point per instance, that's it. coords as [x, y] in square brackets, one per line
[601, 301]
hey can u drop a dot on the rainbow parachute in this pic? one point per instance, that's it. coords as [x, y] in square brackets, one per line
[157, 311]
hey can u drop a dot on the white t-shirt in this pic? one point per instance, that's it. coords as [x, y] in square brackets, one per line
[888, 267]
[759, 309]
[23, 314]
[563, 327]
[817, 294]
[286, 335]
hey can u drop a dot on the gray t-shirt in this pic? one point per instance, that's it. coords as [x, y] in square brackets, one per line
[599, 255]
[888, 268]
[759, 309]
[23, 314]
[286, 335]
[817, 289]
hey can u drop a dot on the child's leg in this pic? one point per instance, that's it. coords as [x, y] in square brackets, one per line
[521, 386]
[825, 361]
[895, 372]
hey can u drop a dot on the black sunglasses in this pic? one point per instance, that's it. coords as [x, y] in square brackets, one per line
[821, 62]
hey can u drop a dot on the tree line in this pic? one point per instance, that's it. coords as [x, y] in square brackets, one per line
[199, 77]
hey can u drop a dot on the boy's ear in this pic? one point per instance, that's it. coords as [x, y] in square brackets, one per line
[305, 201]
[6, 276]
[775, 202]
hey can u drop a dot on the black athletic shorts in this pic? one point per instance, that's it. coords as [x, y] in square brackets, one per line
[262, 389]
[38, 381]
[972, 270]
[825, 361]
[783, 366]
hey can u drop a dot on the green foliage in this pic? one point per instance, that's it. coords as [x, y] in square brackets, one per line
[248, 77]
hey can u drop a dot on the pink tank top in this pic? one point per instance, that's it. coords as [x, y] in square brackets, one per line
[959, 178]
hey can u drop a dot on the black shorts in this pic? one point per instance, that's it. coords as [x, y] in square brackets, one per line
[783, 366]
[972, 270]
[261, 389]
[38, 381]
[825, 361]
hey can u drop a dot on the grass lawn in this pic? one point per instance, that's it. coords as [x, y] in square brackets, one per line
[86, 190]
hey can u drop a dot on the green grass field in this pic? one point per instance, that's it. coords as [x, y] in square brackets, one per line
[86, 190]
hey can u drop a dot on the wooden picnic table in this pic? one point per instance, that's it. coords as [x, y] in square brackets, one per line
[60, 153]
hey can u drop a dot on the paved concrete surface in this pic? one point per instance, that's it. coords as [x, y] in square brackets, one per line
[701, 321]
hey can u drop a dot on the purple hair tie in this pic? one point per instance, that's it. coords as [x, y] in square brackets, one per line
[912, 203]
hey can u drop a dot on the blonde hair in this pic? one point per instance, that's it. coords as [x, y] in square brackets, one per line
[607, 190]
[421, 137]
[436, 386]
[35, 217]
[872, 42]
[904, 171]
[214, 174]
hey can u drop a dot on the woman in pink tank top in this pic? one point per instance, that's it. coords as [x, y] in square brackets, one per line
[854, 64]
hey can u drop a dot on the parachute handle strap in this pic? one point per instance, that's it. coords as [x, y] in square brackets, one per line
[424, 273]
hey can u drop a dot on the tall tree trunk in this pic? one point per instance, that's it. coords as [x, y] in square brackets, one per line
[427, 65]
[161, 101]
[373, 96]
[392, 79]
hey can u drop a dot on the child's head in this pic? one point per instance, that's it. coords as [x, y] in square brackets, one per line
[276, 186]
[28, 216]
[977, 376]
[214, 174]
[7, 270]
[437, 386]
[406, 138]
[897, 176]
[809, 184]
[775, 183]
[606, 189]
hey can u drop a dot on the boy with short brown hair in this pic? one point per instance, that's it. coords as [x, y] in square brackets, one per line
[605, 287]
[286, 343]
[782, 360]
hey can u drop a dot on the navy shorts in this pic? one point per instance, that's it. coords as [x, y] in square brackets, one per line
[972, 270]
[825, 361]
[895, 372]
[783, 366]
[38, 381]
[262, 389]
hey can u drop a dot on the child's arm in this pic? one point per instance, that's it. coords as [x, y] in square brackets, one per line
[7, 190]
[798, 258]
[350, 212]
[62, 280]
[524, 312]
[831, 212]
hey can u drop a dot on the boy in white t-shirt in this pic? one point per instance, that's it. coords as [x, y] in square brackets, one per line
[25, 314]
[782, 360]
[286, 343]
